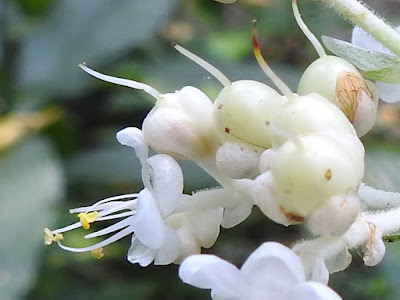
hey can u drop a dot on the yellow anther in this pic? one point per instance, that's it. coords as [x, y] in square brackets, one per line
[50, 237]
[97, 253]
[87, 218]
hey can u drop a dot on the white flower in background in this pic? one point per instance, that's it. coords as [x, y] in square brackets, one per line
[226, 1]
[387, 92]
[272, 271]
[165, 229]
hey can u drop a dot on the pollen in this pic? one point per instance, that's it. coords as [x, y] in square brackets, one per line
[50, 237]
[87, 218]
[98, 253]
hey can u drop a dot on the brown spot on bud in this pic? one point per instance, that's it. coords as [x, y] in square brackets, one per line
[227, 130]
[291, 217]
[328, 174]
[220, 106]
[267, 123]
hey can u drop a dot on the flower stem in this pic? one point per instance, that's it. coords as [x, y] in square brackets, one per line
[360, 15]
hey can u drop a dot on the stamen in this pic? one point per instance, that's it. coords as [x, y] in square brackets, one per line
[87, 218]
[98, 253]
[124, 205]
[68, 228]
[117, 216]
[307, 32]
[124, 82]
[109, 229]
[205, 65]
[50, 237]
[267, 70]
[103, 243]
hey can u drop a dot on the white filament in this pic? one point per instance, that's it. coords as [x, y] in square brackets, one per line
[307, 32]
[124, 82]
[123, 233]
[205, 65]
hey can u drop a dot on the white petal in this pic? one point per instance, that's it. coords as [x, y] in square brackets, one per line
[167, 181]
[148, 225]
[333, 251]
[362, 39]
[312, 291]
[237, 214]
[388, 92]
[210, 272]
[205, 226]
[274, 267]
[133, 137]
[170, 249]
[139, 253]
[320, 272]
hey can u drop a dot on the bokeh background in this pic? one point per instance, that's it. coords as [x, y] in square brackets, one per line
[57, 128]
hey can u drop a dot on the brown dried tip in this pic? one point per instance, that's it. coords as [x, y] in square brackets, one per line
[254, 38]
[173, 44]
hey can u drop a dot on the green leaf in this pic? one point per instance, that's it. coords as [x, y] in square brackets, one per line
[31, 183]
[376, 65]
[93, 31]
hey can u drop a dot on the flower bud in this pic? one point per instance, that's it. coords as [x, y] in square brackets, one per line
[244, 110]
[339, 81]
[307, 114]
[308, 171]
[180, 124]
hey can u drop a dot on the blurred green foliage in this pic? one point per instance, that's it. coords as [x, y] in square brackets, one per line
[75, 157]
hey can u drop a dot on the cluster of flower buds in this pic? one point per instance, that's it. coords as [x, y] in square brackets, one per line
[297, 156]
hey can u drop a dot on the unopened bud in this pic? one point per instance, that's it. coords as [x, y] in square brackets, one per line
[180, 124]
[339, 81]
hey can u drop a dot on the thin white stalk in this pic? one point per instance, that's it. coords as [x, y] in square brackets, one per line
[307, 32]
[124, 82]
[360, 15]
[205, 65]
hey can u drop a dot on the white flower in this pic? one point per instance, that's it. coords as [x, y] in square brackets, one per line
[272, 271]
[165, 228]
[387, 92]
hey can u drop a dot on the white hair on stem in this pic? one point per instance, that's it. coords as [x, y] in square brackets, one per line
[307, 32]
[205, 65]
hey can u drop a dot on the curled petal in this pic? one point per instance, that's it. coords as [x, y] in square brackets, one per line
[139, 253]
[133, 137]
[211, 272]
[273, 258]
[167, 182]
[374, 249]
[312, 291]
[148, 224]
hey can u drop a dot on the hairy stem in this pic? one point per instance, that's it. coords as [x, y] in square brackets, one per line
[360, 15]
